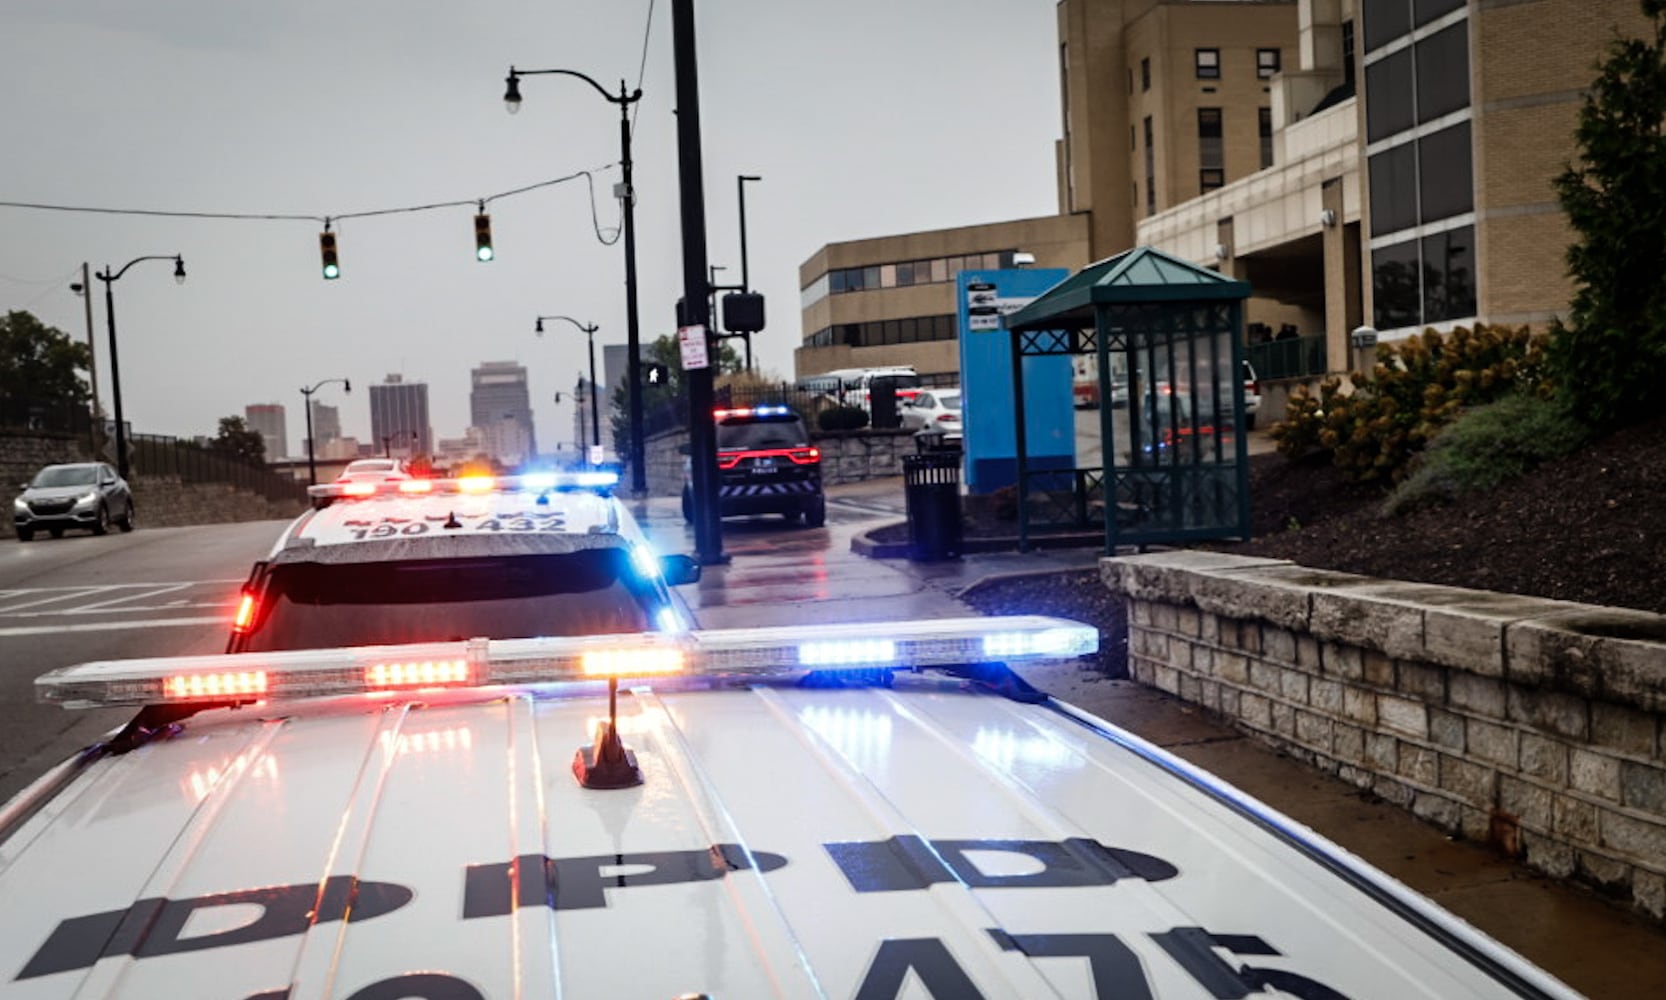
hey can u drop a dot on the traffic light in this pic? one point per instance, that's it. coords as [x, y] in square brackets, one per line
[655, 375]
[327, 248]
[482, 237]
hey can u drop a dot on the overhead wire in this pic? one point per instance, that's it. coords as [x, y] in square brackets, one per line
[332, 217]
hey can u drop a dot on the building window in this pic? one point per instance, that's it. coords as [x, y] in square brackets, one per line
[1145, 74]
[1445, 171]
[1264, 127]
[1130, 80]
[1211, 152]
[1393, 189]
[1267, 62]
[1449, 275]
[1389, 87]
[1150, 169]
[1208, 64]
[1395, 289]
[1424, 11]
[1443, 73]
[1348, 55]
[1385, 20]
[1133, 140]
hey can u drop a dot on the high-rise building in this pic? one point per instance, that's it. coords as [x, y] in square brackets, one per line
[498, 393]
[326, 423]
[268, 419]
[399, 418]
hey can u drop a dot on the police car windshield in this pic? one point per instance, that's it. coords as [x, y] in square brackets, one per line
[590, 592]
[752, 433]
[67, 475]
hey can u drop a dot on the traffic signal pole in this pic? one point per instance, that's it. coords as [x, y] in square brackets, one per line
[702, 435]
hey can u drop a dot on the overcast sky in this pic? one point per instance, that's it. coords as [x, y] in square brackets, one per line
[864, 118]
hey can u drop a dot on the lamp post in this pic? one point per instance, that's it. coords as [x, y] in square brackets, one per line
[110, 280]
[306, 394]
[627, 195]
[590, 333]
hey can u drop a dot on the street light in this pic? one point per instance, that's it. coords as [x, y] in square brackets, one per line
[590, 333]
[306, 394]
[627, 195]
[109, 280]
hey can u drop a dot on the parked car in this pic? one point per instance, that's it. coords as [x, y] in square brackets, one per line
[936, 410]
[373, 470]
[1252, 395]
[79, 495]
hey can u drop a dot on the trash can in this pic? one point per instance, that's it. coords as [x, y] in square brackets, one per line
[931, 490]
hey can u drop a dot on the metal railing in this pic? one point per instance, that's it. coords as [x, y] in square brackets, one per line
[156, 455]
[1294, 357]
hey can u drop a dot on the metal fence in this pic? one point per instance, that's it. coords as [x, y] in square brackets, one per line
[1294, 357]
[23, 413]
[156, 455]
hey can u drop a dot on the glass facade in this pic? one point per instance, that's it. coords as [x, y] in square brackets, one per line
[901, 274]
[1420, 162]
[913, 330]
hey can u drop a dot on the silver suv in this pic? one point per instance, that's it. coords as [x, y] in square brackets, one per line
[84, 495]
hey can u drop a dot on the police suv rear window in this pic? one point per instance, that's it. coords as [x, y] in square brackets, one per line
[588, 592]
[758, 433]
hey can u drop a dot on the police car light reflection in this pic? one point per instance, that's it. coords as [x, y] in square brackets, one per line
[457, 738]
[200, 781]
[1003, 749]
[858, 735]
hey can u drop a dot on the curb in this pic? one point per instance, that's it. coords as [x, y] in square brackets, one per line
[864, 545]
[1023, 574]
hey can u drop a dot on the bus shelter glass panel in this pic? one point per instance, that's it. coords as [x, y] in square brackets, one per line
[1176, 431]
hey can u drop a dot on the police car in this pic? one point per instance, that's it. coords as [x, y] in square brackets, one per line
[766, 464]
[416, 560]
[872, 811]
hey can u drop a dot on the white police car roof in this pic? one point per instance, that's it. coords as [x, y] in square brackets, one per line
[922, 839]
[424, 510]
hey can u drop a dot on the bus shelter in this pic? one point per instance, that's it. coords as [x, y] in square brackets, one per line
[1167, 462]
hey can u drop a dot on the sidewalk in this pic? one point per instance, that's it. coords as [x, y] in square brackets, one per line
[781, 577]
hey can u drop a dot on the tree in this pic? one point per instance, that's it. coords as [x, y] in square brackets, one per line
[41, 362]
[1610, 358]
[664, 351]
[236, 439]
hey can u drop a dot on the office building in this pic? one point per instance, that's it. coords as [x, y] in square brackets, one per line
[1161, 102]
[268, 419]
[498, 393]
[399, 418]
[326, 423]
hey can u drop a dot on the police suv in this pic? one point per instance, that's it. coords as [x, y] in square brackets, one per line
[765, 465]
[873, 811]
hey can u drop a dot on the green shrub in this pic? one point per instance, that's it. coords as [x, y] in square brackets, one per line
[842, 418]
[1487, 446]
[1417, 386]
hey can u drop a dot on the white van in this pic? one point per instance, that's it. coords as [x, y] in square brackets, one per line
[849, 386]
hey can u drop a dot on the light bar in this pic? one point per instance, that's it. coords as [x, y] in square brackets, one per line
[785, 652]
[538, 482]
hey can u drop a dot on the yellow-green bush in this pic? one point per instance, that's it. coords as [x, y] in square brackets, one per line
[1417, 386]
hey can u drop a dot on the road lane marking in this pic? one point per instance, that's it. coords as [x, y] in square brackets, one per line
[153, 592]
[138, 608]
[109, 626]
[70, 593]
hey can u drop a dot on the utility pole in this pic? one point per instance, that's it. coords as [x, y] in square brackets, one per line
[708, 518]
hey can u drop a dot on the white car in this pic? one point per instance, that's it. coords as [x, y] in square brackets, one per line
[935, 410]
[808, 810]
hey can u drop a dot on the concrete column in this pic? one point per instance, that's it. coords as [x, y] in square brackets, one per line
[1342, 276]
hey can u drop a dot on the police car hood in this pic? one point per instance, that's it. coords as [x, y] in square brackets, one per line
[922, 840]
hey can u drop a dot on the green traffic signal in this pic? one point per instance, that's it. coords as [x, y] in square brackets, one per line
[327, 249]
[483, 237]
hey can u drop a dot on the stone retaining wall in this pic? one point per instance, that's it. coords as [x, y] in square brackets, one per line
[846, 457]
[1532, 724]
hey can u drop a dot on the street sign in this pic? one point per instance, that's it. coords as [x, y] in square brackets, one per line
[692, 341]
